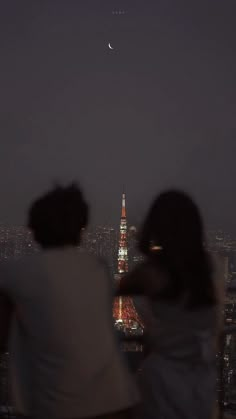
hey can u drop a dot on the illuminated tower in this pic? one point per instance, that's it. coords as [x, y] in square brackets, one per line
[124, 310]
[123, 245]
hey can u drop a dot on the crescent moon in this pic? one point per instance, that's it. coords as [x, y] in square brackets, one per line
[109, 46]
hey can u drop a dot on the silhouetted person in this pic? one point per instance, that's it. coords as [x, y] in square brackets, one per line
[178, 377]
[65, 363]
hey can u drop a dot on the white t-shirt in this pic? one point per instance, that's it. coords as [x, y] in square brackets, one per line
[65, 361]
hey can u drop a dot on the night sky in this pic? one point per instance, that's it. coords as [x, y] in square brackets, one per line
[157, 111]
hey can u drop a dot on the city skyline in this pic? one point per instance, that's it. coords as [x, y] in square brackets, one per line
[107, 93]
[115, 248]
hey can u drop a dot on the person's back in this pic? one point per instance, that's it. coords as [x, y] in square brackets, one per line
[181, 365]
[179, 334]
[178, 375]
[65, 361]
[64, 355]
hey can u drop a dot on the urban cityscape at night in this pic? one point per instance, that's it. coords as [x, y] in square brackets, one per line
[126, 109]
[117, 245]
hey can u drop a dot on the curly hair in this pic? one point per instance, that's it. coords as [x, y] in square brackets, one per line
[57, 218]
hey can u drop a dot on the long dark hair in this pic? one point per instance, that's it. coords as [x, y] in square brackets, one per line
[172, 238]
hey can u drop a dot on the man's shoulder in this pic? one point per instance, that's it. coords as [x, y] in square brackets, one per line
[91, 260]
[10, 265]
[13, 267]
[88, 257]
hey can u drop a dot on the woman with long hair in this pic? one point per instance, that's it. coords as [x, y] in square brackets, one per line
[178, 377]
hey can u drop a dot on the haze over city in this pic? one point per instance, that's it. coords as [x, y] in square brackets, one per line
[156, 111]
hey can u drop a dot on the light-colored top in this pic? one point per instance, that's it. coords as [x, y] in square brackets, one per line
[178, 333]
[65, 361]
[178, 377]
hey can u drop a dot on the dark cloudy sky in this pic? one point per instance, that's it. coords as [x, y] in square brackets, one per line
[157, 111]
